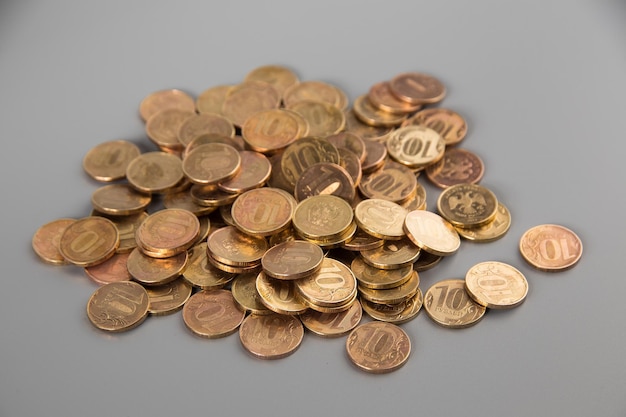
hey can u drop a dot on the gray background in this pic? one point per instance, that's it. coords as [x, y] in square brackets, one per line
[542, 86]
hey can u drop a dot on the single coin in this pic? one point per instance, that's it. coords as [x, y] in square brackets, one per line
[378, 347]
[112, 270]
[333, 324]
[417, 88]
[394, 254]
[127, 227]
[279, 77]
[168, 298]
[458, 166]
[374, 158]
[365, 131]
[155, 271]
[279, 295]
[118, 306]
[184, 200]
[394, 182]
[323, 216]
[379, 279]
[271, 130]
[496, 285]
[395, 313]
[449, 124]
[162, 128]
[467, 205]
[155, 172]
[212, 163]
[254, 173]
[335, 240]
[108, 161]
[381, 97]
[206, 138]
[315, 91]
[381, 218]
[201, 274]
[393, 295]
[362, 241]
[449, 305]
[211, 195]
[230, 246]
[303, 153]
[168, 232]
[415, 146]
[431, 232]
[292, 260]
[204, 124]
[426, 261]
[246, 295]
[212, 314]
[333, 285]
[325, 178]
[271, 336]
[211, 100]
[89, 241]
[351, 163]
[551, 247]
[46, 241]
[372, 115]
[491, 231]
[263, 211]
[350, 141]
[119, 200]
[324, 119]
[248, 98]
[165, 99]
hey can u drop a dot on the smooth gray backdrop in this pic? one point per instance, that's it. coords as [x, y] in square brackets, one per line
[542, 85]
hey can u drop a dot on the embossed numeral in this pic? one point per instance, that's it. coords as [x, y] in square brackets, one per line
[552, 249]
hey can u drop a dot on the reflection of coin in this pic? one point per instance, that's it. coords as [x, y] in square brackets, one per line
[550, 247]
[496, 285]
[448, 304]
[378, 347]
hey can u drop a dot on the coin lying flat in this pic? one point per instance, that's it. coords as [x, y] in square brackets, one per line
[395, 313]
[491, 231]
[303, 153]
[155, 271]
[108, 160]
[165, 99]
[551, 247]
[315, 91]
[332, 324]
[431, 232]
[119, 200]
[467, 205]
[118, 306]
[394, 254]
[393, 295]
[263, 211]
[255, 171]
[323, 119]
[322, 216]
[212, 314]
[201, 274]
[279, 77]
[292, 260]
[112, 270]
[89, 241]
[496, 285]
[162, 128]
[168, 298]
[365, 131]
[458, 166]
[369, 114]
[212, 99]
[378, 347]
[415, 146]
[376, 278]
[271, 336]
[394, 182]
[126, 226]
[381, 218]
[447, 123]
[212, 163]
[46, 241]
[248, 98]
[333, 285]
[246, 295]
[417, 88]
[167, 232]
[232, 247]
[280, 295]
[154, 172]
[449, 305]
[380, 96]
[204, 124]
[271, 130]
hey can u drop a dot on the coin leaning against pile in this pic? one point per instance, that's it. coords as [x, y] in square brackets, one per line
[284, 209]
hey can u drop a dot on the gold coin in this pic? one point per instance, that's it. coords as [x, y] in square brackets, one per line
[46, 241]
[204, 124]
[162, 128]
[211, 195]
[271, 130]
[322, 216]
[126, 226]
[112, 270]
[227, 217]
[279, 77]
[279, 295]
[323, 119]
[271, 336]
[89, 241]
[371, 115]
[254, 173]
[351, 163]
[246, 295]
[333, 285]
[165, 99]
[119, 200]
[212, 314]
[201, 274]
[418, 201]
[467, 205]
[362, 241]
[184, 200]
[333, 241]
[168, 298]
[394, 182]
[211, 100]
[395, 313]
[155, 271]
[381, 218]
[315, 91]
[378, 347]
[449, 124]
[167, 232]
[333, 324]
[248, 98]
[491, 231]
[232, 247]
[381, 97]
[426, 261]
[415, 146]
[393, 295]
[206, 138]
[118, 306]
[205, 228]
[458, 166]
[253, 267]
[496, 285]
[394, 254]
[551, 247]
[325, 178]
[292, 260]
[431, 232]
[379, 279]
[349, 141]
[155, 172]
[212, 163]
[374, 158]
[263, 211]
[108, 160]
[303, 153]
[417, 88]
[449, 305]
[365, 131]
[277, 179]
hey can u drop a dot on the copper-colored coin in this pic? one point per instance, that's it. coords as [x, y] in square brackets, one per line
[118, 306]
[248, 98]
[233, 247]
[203, 124]
[350, 141]
[376, 153]
[263, 211]
[108, 161]
[325, 178]
[279, 77]
[392, 295]
[212, 163]
[371, 115]
[431, 232]
[362, 241]
[322, 216]
[225, 212]
[381, 97]
[167, 232]
[418, 201]
[206, 138]
[378, 347]
[246, 295]
[155, 172]
[496, 285]
[112, 270]
[89, 241]
[165, 99]
[351, 163]
[155, 271]
[212, 314]
[333, 324]
[550, 247]
[415, 146]
[381, 218]
[450, 125]
[271, 130]
[119, 200]
[394, 182]
[271, 336]
[458, 166]
[201, 274]
[393, 254]
[395, 313]
[126, 226]
[491, 231]
[303, 153]
[426, 261]
[286, 235]
[315, 91]
[212, 99]
[277, 179]
[211, 195]
[168, 298]
[184, 200]
[334, 284]
[205, 228]
[255, 171]
[467, 205]
[253, 267]
[449, 305]
[379, 279]
[323, 119]
[365, 131]
[292, 260]
[280, 295]
[335, 240]
[417, 88]
[162, 128]
[46, 241]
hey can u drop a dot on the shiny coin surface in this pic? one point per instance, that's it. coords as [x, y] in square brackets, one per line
[155, 172]
[415, 146]
[211, 100]
[247, 297]
[46, 241]
[323, 119]
[112, 270]
[203, 124]
[212, 163]
[395, 313]
[168, 298]
[248, 98]
[89, 241]
[449, 305]
[212, 314]
[108, 161]
[381, 97]
[491, 231]
[271, 130]
[394, 254]
[118, 306]
[292, 260]
[458, 166]
[467, 205]
[315, 91]
[232, 247]
[496, 285]
[255, 171]
[322, 216]
[372, 115]
[263, 211]
[167, 232]
[449, 124]
[279, 77]
[271, 336]
[155, 271]
[431, 232]
[333, 324]
[162, 128]
[394, 182]
[119, 200]
[376, 278]
[279, 295]
[333, 285]
[165, 99]
[417, 88]
[393, 295]
[551, 247]
[378, 347]
[381, 218]
[201, 274]
[303, 153]
[426, 261]
[325, 178]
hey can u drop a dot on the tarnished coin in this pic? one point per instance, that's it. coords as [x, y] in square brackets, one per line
[46, 241]
[184, 200]
[271, 336]
[365, 131]
[155, 172]
[491, 231]
[89, 241]
[333, 324]
[372, 115]
[394, 254]
[415, 146]
[263, 211]
[380, 279]
[279, 77]
[381, 97]
[212, 314]
[381, 218]
[211, 100]
[467, 205]
[324, 119]
[417, 88]
[303, 153]
[246, 295]
[162, 128]
[168, 298]
[551, 247]
[155, 271]
[201, 274]
[378, 347]
[431, 232]
[322, 216]
[212, 163]
[118, 306]
[394, 182]
[271, 130]
[230, 246]
[376, 153]
[203, 124]
[393, 295]
[108, 160]
[395, 313]
[255, 171]
[279, 295]
[292, 260]
[458, 166]
[449, 305]
[449, 124]
[167, 233]
[334, 284]
[119, 200]
[248, 98]
[349, 141]
[496, 285]
[112, 270]
[315, 91]
[325, 178]
[165, 99]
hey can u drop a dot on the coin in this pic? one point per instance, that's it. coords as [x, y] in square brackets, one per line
[303, 153]
[332, 324]
[46, 241]
[253, 267]
[449, 305]
[256, 170]
[350, 162]
[333, 285]
[271, 130]
[154, 172]
[415, 146]
[155, 271]
[212, 314]
[551, 247]
[449, 124]
[89, 241]
[394, 182]
[167, 232]
[362, 241]
[365, 131]
[108, 160]
[376, 278]
[371, 115]
[394, 254]
[417, 88]
[426, 261]
[350, 141]
[315, 91]
[431, 232]
[279, 295]
[279, 77]
[392, 295]
[201, 274]
[263, 211]
[162, 127]
[271, 336]
[325, 178]
[248, 98]
[119, 200]
[491, 231]
[292, 260]
[184, 200]
[458, 166]
[376, 153]
[206, 138]
[322, 216]
[212, 99]
[212, 163]
[395, 313]
[467, 205]
[165, 99]
[126, 226]
[210, 195]
[324, 119]
[378, 347]
[381, 97]
[246, 295]
[203, 124]
[418, 201]
[168, 298]
[381, 218]
[118, 306]
[112, 270]
[496, 285]
[232, 247]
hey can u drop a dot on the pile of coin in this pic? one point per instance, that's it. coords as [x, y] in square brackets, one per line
[284, 209]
